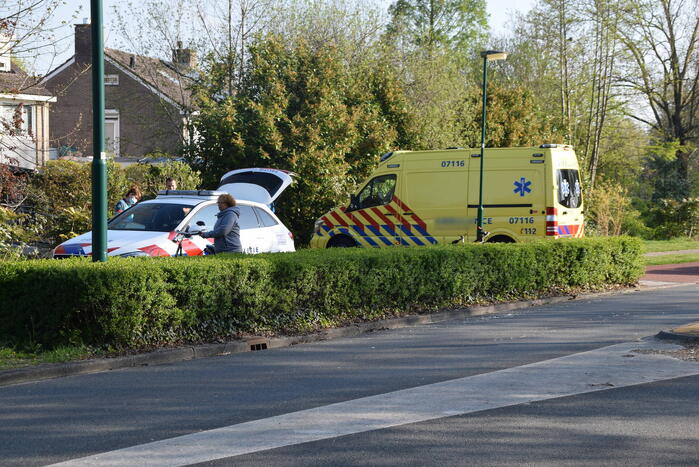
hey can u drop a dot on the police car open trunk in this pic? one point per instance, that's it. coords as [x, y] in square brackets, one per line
[256, 184]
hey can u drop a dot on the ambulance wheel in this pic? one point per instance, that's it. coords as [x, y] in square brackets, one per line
[501, 239]
[341, 241]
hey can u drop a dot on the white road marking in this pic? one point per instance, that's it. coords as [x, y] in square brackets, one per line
[596, 370]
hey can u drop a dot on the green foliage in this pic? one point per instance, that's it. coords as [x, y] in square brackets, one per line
[13, 236]
[610, 212]
[513, 119]
[59, 197]
[454, 25]
[136, 302]
[675, 219]
[303, 109]
[151, 177]
[663, 175]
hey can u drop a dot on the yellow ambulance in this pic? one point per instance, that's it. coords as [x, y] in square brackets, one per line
[417, 198]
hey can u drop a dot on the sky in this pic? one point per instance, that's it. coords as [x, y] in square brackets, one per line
[500, 12]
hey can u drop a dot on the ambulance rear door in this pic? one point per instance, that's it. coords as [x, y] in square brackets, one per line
[514, 193]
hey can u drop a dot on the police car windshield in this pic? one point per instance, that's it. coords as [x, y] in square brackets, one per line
[154, 217]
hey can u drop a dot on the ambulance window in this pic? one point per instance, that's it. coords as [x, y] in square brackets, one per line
[569, 190]
[377, 192]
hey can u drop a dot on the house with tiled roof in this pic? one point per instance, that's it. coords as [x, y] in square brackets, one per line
[24, 113]
[148, 101]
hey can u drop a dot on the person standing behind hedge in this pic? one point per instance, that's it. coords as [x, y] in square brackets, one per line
[226, 233]
[130, 198]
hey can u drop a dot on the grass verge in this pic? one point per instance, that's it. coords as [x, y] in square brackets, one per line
[670, 259]
[653, 246]
[10, 358]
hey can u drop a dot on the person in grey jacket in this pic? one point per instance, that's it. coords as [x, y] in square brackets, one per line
[226, 232]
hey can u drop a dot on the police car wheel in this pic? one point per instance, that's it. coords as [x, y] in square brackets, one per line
[342, 242]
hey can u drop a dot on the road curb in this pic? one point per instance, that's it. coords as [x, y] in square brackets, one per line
[689, 333]
[160, 357]
[678, 337]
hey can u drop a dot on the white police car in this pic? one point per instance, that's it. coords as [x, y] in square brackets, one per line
[150, 228]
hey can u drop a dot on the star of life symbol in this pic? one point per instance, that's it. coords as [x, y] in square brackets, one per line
[565, 188]
[522, 186]
[577, 188]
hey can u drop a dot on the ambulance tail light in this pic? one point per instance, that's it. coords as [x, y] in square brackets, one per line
[551, 222]
[291, 236]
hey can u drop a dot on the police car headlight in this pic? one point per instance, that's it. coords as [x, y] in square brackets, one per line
[318, 223]
[132, 254]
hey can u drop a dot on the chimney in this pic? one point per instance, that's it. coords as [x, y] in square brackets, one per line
[132, 61]
[83, 43]
[184, 57]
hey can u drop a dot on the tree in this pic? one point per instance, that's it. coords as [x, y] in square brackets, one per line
[28, 32]
[455, 25]
[514, 119]
[304, 110]
[661, 38]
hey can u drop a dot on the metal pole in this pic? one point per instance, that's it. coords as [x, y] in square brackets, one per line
[99, 163]
[479, 228]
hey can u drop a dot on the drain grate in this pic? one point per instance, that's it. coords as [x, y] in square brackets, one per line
[257, 343]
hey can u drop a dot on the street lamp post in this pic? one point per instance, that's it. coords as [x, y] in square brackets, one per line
[488, 56]
[99, 164]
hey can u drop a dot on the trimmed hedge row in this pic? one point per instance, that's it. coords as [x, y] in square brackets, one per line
[137, 302]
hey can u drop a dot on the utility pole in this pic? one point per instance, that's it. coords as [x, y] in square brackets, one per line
[99, 162]
[488, 56]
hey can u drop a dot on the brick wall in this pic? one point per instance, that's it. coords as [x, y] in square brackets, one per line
[147, 123]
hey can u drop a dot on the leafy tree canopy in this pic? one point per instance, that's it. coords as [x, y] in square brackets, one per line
[434, 24]
[304, 110]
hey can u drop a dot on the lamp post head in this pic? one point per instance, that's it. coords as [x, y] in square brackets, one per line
[493, 55]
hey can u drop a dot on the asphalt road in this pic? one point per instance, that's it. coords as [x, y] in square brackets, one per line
[556, 417]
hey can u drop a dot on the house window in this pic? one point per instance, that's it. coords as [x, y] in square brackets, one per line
[17, 119]
[111, 131]
[111, 80]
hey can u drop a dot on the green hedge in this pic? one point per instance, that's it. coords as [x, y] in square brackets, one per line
[138, 302]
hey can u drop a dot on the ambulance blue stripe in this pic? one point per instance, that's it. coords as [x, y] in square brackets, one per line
[326, 228]
[425, 234]
[411, 237]
[389, 230]
[377, 232]
[364, 235]
[393, 234]
[346, 231]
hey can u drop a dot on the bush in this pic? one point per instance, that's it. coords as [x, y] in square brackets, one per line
[61, 193]
[59, 197]
[136, 302]
[151, 178]
[675, 219]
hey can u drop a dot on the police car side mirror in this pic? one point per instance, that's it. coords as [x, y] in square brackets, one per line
[201, 223]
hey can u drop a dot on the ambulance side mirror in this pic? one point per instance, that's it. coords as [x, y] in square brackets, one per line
[354, 202]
